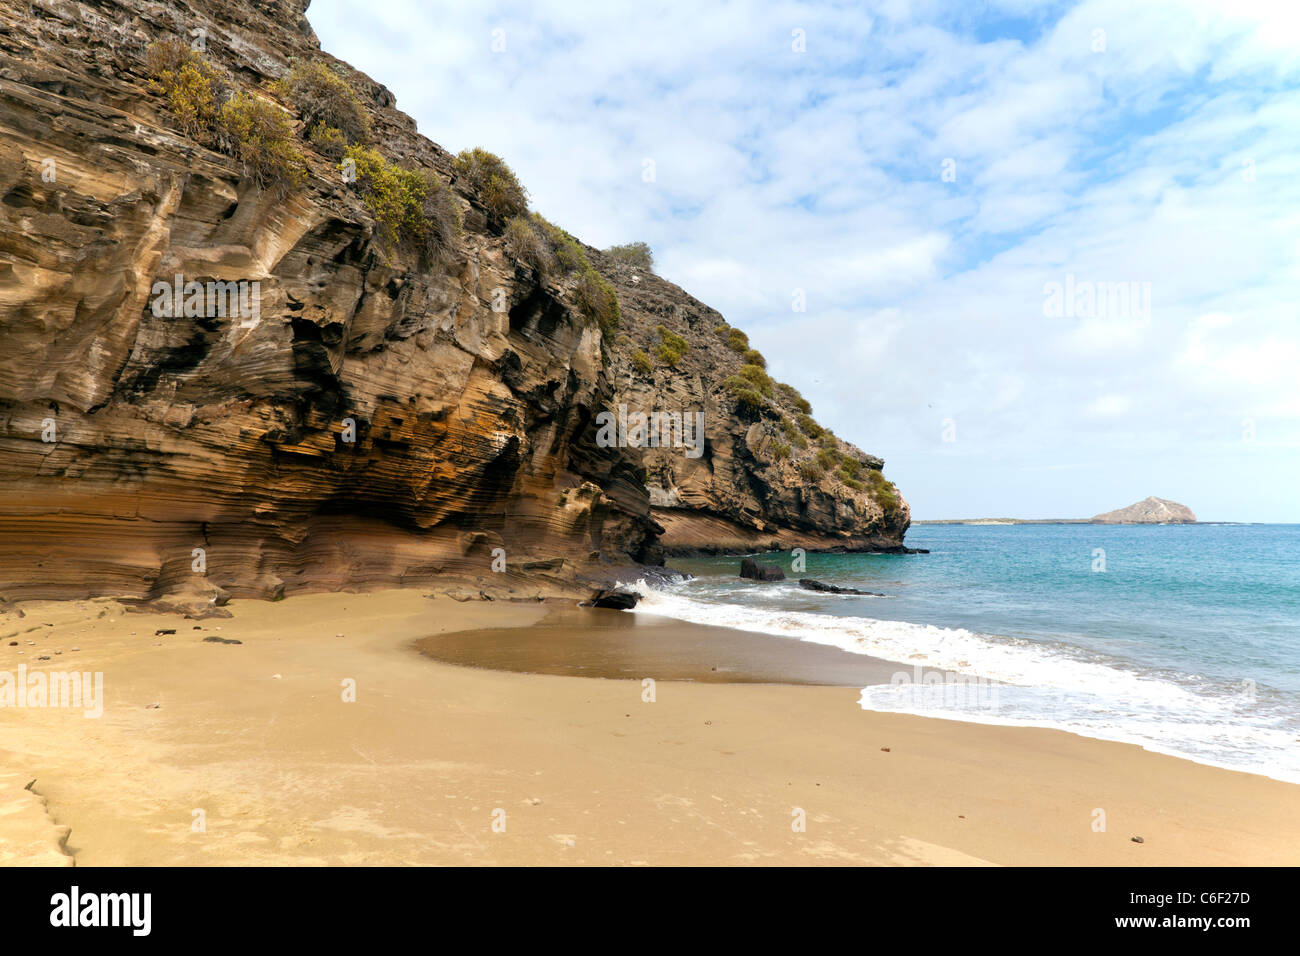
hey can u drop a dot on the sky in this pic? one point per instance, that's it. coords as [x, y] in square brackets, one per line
[1041, 257]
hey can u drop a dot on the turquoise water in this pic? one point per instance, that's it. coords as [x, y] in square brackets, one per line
[1185, 639]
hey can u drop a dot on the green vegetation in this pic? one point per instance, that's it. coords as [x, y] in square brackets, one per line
[743, 393]
[258, 133]
[811, 471]
[758, 379]
[882, 489]
[494, 181]
[780, 450]
[850, 466]
[635, 254]
[737, 340]
[327, 141]
[190, 86]
[809, 427]
[671, 347]
[851, 482]
[755, 357]
[409, 207]
[641, 362]
[253, 130]
[792, 396]
[597, 300]
[828, 458]
[527, 241]
[324, 99]
[792, 432]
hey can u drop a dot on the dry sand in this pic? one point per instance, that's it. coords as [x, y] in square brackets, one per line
[258, 737]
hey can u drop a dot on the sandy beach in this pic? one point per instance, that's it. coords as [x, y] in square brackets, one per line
[218, 753]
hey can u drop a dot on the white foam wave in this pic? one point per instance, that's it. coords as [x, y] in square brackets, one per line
[1036, 685]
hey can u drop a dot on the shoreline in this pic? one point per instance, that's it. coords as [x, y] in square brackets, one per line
[583, 771]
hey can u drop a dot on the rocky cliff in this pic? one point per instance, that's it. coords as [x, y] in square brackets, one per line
[1149, 511]
[383, 416]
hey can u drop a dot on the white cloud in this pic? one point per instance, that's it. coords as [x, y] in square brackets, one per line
[1169, 158]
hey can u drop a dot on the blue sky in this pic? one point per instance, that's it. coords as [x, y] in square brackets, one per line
[925, 173]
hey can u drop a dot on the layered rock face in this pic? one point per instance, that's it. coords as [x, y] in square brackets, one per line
[378, 420]
[1149, 511]
[752, 488]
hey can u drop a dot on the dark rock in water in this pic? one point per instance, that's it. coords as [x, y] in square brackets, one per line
[221, 640]
[614, 598]
[749, 568]
[812, 585]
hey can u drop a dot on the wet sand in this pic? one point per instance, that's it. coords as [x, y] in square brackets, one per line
[260, 744]
[594, 642]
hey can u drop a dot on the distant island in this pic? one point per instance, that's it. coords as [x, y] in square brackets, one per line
[1150, 510]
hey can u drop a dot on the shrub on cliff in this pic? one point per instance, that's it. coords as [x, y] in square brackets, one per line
[327, 141]
[527, 241]
[258, 133]
[597, 300]
[882, 489]
[809, 427]
[409, 207]
[792, 432]
[641, 362]
[191, 87]
[737, 340]
[755, 357]
[780, 450]
[792, 396]
[494, 181]
[757, 378]
[635, 254]
[743, 393]
[323, 98]
[671, 346]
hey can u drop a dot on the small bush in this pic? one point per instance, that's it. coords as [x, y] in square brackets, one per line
[494, 181]
[323, 98]
[811, 471]
[744, 394]
[792, 396]
[828, 440]
[827, 458]
[636, 254]
[569, 254]
[721, 331]
[258, 133]
[850, 466]
[409, 206]
[641, 362]
[758, 379]
[850, 481]
[527, 241]
[737, 340]
[882, 490]
[792, 432]
[755, 357]
[671, 347]
[809, 427]
[442, 222]
[191, 87]
[327, 141]
[780, 450]
[597, 300]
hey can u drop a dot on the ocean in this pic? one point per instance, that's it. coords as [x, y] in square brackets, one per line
[1184, 639]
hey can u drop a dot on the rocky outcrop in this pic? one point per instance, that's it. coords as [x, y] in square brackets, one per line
[752, 487]
[383, 420]
[757, 571]
[809, 584]
[1149, 511]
